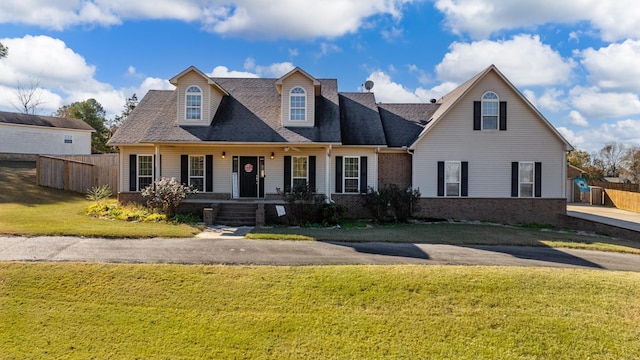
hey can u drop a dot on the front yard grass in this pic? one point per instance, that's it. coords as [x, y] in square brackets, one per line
[30, 210]
[79, 311]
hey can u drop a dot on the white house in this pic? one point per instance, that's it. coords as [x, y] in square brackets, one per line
[35, 134]
[482, 152]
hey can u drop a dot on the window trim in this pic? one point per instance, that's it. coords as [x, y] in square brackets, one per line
[139, 168]
[495, 101]
[303, 94]
[186, 102]
[293, 172]
[533, 179]
[204, 171]
[345, 177]
[459, 182]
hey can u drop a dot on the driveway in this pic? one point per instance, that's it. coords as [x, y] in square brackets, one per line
[233, 250]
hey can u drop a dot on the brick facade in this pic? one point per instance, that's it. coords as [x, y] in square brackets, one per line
[504, 211]
[394, 169]
[355, 205]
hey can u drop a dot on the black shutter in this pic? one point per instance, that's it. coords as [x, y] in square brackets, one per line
[538, 180]
[133, 172]
[287, 174]
[338, 174]
[363, 175]
[208, 168]
[503, 115]
[440, 178]
[515, 184]
[312, 173]
[464, 186]
[184, 169]
[477, 115]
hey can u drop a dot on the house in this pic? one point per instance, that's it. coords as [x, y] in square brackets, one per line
[482, 152]
[35, 134]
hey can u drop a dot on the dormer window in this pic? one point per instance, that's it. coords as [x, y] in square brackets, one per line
[298, 104]
[193, 103]
[490, 111]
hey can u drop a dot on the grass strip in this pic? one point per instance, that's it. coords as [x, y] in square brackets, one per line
[77, 311]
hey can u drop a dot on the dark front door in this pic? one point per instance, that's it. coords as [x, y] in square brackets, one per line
[248, 176]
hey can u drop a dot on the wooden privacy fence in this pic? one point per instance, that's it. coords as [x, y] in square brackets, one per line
[616, 186]
[78, 172]
[624, 200]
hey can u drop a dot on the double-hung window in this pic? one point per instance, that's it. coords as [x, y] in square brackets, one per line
[351, 174]
[452, 178]
[68, 139]
[193, 103]
[526, 178]
[196, 172]
[300, 172]
[297, 104]
[145, 171]
[490, 111]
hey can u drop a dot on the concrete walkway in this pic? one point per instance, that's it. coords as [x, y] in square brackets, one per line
[606, 215]
[227, 247]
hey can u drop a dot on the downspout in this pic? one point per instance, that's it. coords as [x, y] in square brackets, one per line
[327, 172]
[375, 173]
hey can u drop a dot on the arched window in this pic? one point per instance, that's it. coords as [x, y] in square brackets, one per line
[490, 111]
[193, 103]
[298, 104]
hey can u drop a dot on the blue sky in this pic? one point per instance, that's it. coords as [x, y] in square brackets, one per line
[578, 61]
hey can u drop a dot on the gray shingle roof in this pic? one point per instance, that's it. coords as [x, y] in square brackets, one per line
[44, 121]
[403, 123]
[360, 120]
[250, 114]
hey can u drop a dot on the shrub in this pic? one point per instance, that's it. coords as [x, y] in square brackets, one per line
[99, 193]
[166, 195]
[306, 206]
[391, 204]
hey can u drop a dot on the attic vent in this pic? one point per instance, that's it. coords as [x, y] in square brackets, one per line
[433, 101]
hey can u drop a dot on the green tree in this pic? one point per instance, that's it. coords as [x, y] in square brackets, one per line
[129, 105]
[91, 112]
[580, 159]
[4, 51]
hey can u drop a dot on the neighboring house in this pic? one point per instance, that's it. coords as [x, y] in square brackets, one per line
[482, 152]
[47, 135]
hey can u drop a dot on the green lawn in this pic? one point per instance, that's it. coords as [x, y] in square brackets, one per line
[80, 311]
[31, 210]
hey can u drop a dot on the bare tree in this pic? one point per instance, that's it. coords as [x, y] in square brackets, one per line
[29, 98]
[609, 159]
[4, 51]
[631, 160]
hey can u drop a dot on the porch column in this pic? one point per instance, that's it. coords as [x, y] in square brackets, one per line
[156, 164]
[327, 172]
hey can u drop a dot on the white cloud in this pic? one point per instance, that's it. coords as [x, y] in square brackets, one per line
[575, 118]
[223, 71]
[615, 20]
[593, 139]
[594, 103]
[63, 77]
[292, 19]
[524, 60]
[614, 67]
[549, 100]
[327, 48]
[388, 91]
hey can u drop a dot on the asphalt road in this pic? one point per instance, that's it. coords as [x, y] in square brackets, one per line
[235, 251]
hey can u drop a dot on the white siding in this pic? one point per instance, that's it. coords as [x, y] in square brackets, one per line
[490, 153]
[125, 151]
[222, 168]
[211, 99]
[305, 83]
[372, 163]
[24, 139]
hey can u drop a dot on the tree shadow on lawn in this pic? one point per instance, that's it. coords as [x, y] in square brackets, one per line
[18, 186]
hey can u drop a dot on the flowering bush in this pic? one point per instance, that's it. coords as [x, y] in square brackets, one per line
[166, 195]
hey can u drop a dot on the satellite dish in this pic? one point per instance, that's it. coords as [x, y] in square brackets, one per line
[368, 85]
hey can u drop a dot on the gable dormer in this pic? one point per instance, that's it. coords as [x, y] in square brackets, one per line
[198, 97]
[298, 91]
